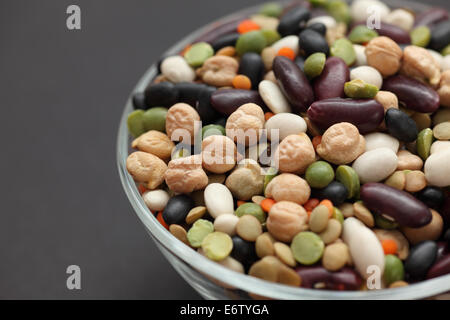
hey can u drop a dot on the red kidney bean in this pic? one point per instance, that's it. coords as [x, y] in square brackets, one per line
[366, 115]
[400, 205]
[290, 21]
[421, 257]
[226, 101]
[388, 30]
[445, 211]
[440, 35]
[344, 279]
[442, 250]
[219, 30]
[431, 17]
[330, 84]
[414, 94]
[293, 83]
[163, 94]
[440, 268]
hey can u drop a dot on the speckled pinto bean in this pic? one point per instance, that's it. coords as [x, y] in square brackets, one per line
[399, 205]
[414, 94]
[319, 277]
[330, 83]
[293, 83]
[226, 101]
[366, 115]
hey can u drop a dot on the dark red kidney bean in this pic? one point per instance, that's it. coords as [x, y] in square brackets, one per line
[219, 30]
[433, 197]
[344, 279]
[400, 125]
[138, 101]
[330, 83]
[447, 236]
[414, 94]
[388, 30]
[318, 27]
[293, 83]
[311, 42]
[252, 66]
[440, 268]
[421, 258]
[188, 92]
[163, 94]
[226, 101]
[177, 209]
[431, 17]
[336, 192]
[225, 41]
[440, 35]
[366, 115]
[445, 211]
[442, 250]
[400, 205]
[290, 21]
[203, 106]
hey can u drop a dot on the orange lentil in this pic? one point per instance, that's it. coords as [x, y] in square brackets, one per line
[240, 202]
[247, 26]
[311, 204]
[327, 203]
[389, 246]
[142, 189]
[242, 82]
[268, 115]
[286, 52]
[266, 204]
[316, 141]
[159, 217]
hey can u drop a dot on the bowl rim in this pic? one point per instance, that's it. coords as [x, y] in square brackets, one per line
[214, 270]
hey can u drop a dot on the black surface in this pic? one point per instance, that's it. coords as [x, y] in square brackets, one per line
[61, 95]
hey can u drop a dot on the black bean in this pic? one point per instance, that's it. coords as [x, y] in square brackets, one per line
[203, 106]
[252, 66]
[188, 92]
[163, 94]
[433, 197]
[440, 35]
[318, 27]
[222, 122]
[226, 101]
[311, 42]
[290, 21]
[447, 236]
[420, 259]
[400, 125]
[225, 41]
[336, 192]
[243, 251]
[300, 62]
[138, 101]
[177, 209]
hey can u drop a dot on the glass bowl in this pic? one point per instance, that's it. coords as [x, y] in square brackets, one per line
[210, 279]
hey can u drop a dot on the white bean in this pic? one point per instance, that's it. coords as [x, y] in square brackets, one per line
[367, 74]
[437, 168]
[445, 64]
[271, 94]
[156, 200]
[377, 140]
[361, 59]
[286, 123]
[226, 223]
[289, 41]
[176, 69]
[328, 21]
[218, 200]
[400, 18]
[375, 165]
[362, 10]
[365, 248]
[439, 146]
[437, 56]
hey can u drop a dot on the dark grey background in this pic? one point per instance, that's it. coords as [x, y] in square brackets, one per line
[61, 95]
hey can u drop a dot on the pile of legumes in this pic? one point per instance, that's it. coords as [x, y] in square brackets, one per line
[307, 144]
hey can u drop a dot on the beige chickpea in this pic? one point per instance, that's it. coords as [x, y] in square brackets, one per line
[295, 153]
[271, 77]
[388, 100]
[415, 181]
[385, 55]
[419, 63]
[246, 180]
[268, 55]
[156, 143]
[219, 153]
[408, 161]
[245, 124]
[431, 231]
[180, 122]
[286, 219]
[444, 89]
[219, 71]
[147, 168]
[341, 144]
[288, 187]
[185, 175]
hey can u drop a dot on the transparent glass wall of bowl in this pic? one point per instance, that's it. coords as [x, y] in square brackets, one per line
[210, 279]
